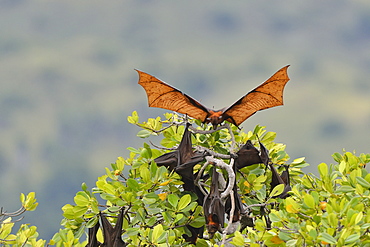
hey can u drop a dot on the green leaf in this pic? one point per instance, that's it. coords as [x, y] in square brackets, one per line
[291, 243]
[363, 182]
[133, 184]
[238, 239]
[81, 200]
[134, 150]
[157, 232]
[277, 190]
[274, 217]
[134, 118]
[333, 220]
[268, 137]
[202, 243]
[345, 188]
[84, 187]
[342, 166]
[173, 200]
[198, 222]
[323, 170]
[337, 157]
[298, 161]
[184, 201]
[352, 238]
[145, 174]
[309, 201]
[327, 238]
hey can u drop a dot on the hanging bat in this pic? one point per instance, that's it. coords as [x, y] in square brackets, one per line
[276, 178]
[214, 208]
[92, 240]
[183, 160]
[285, 176]
[268, 94]
[112, 235]
[247, 155]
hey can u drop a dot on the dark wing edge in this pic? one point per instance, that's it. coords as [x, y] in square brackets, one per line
[268, 94]
[162, 95]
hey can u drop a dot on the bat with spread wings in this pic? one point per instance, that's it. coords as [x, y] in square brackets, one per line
[268, 94]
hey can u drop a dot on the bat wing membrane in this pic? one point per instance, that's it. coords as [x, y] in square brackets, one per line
[164, 96]
[267, 95]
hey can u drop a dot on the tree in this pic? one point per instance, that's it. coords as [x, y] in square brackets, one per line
[141, 203]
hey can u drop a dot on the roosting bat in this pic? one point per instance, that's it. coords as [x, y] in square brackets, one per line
[268, 94]
[112, 235]
[247, 155]
[92, 240]
[285, 176]
[214, 208]
[276, 178]
[182, 161]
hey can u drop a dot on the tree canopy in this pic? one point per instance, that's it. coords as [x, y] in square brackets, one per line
[141, 201]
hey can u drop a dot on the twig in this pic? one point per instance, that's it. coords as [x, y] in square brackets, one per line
[258, 205]
[229, 170]
[233, 143]
[231, 216]
[156, 131]
[197, 179]
[213, 153]
[163, 148]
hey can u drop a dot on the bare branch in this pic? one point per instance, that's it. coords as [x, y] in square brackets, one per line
[213, 153]
[230, 172]
[229, 225]
[197, 179]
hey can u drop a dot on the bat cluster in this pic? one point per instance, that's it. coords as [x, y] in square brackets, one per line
[216, 209]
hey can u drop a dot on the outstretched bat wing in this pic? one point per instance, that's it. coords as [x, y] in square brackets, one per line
[164, 96]
[267, 95]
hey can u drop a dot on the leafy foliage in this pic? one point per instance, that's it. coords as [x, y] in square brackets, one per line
[26, 235]
[329, 209]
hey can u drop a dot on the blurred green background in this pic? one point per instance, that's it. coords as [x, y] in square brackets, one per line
[68, 81]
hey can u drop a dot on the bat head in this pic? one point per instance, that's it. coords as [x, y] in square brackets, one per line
[213, 225]
[215, 117]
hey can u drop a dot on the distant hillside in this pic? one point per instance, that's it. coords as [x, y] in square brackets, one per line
[68, 81]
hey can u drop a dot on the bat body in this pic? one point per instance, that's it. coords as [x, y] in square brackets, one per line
[214, 208]
[268, 94]
[276, 178]
[112, 235]
[182, 161]
[92, 240]
[247, 155]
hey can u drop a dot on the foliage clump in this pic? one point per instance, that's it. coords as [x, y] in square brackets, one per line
[329, 209]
